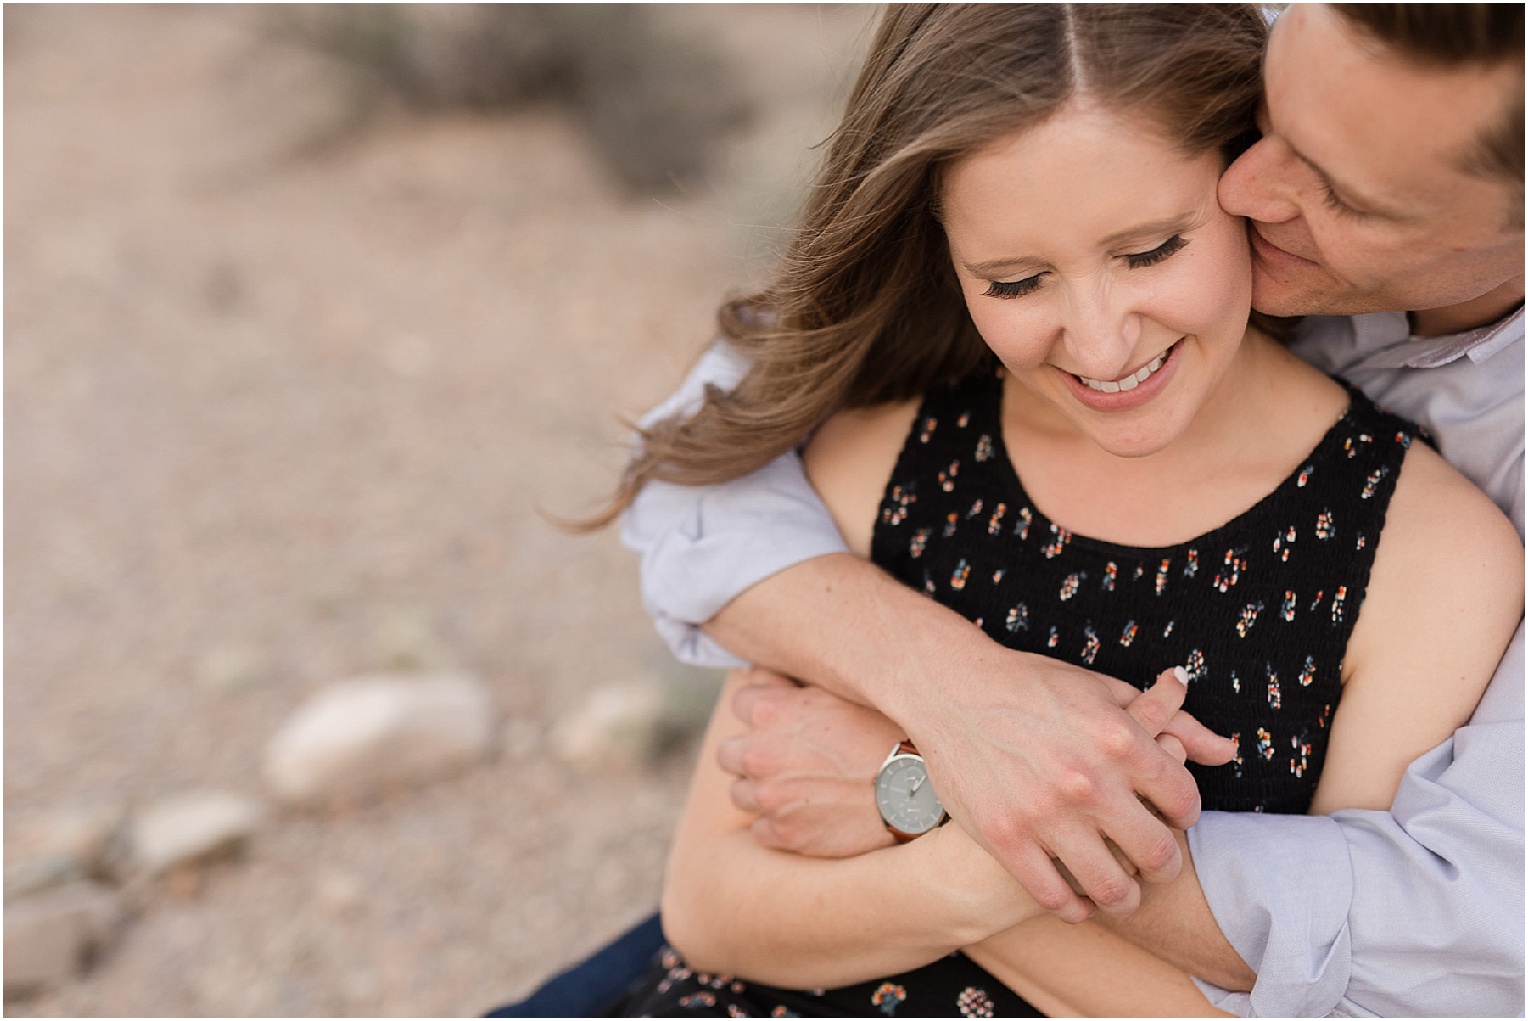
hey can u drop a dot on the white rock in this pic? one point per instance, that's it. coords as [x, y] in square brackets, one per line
[32, 874]
[618, 725]
[50, 937]
[84, 833]
[355, 738]
[190, 828]
[94, 837]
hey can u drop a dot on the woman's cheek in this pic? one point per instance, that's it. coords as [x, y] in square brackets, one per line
[1013, 333]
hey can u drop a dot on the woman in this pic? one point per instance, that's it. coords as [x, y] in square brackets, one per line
[1016, 297]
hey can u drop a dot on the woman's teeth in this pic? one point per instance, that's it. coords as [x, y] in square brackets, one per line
[1131, 381]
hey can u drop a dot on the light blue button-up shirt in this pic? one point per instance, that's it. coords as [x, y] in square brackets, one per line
[1417, 911]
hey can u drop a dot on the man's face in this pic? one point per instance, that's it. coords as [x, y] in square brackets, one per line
[1355, 193]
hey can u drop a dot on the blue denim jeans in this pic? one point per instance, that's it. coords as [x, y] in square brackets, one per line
[595, 986]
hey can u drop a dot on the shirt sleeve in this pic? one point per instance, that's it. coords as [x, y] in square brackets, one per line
[1413, 912]
[702, 546]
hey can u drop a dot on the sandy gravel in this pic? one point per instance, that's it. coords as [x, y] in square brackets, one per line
[281, 402]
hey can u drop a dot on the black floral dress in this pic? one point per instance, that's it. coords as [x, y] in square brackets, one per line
[1258, 611]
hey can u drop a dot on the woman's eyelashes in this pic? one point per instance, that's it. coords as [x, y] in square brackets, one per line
[1013, 289]
[1137, 260]
[1166, 250]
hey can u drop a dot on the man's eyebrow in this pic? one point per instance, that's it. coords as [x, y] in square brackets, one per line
[1139, 232]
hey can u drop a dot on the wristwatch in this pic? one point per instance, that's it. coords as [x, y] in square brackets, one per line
[909, 807]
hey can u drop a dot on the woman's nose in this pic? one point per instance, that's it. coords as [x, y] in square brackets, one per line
[1102, 336]
[1259, 185]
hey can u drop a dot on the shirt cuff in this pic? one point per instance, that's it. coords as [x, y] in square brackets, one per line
[702, 547]
[1293, 933]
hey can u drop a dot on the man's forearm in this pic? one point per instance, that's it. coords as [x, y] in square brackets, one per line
[780, 624]
[1174, 922]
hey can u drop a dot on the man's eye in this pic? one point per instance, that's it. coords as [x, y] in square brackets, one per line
[1014, 289]
[1331, 200]
[1166, 250]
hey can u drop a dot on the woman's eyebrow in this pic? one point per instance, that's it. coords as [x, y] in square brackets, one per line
[996, 267]
[1155, 229]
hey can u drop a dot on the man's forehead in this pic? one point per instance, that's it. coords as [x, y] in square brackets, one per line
[1371, 120]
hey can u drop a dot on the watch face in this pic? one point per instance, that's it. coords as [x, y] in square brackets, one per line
[905, 797]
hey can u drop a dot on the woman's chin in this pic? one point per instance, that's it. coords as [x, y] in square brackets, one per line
[1142, 435]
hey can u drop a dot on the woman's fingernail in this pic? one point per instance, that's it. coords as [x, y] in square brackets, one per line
[1181, 674]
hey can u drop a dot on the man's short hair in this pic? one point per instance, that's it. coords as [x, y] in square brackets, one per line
[1451, 35]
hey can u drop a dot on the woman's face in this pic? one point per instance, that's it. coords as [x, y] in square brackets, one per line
[1097, 264]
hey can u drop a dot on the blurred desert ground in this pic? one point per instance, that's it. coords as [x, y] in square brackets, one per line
[287, 376]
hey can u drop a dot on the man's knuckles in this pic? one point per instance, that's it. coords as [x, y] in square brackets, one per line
[1159, 859]
[1118, 738]
[744, 796]
[1114, 892]
[1176, 798]
[1077, 788]
[1153, 712]
[1008, 836]
[754, 705]
[774, 799]
[758, 758]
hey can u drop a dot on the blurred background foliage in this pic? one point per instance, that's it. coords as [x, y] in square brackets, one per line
[655, 100]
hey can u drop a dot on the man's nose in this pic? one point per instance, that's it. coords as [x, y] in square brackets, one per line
[1259, 184]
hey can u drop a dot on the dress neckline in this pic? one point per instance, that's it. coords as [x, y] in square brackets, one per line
[992, 415]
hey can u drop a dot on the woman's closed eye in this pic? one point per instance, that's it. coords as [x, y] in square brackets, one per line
[1136, 260]
[1166, 250]
[1013, 289]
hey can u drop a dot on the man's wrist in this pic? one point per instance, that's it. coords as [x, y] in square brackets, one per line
[922, 646]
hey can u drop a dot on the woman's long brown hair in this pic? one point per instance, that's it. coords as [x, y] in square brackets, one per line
[865, 307]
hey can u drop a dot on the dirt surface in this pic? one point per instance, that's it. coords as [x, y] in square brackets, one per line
[282, 398]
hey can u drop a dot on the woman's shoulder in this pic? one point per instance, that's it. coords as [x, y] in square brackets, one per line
[1448, 562]
[1445, 594]
[1436, 506]
[850, 459]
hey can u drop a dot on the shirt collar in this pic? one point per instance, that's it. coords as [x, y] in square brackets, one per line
[1388, 336]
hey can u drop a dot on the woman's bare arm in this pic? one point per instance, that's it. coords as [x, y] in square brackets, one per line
[732, 906]
[1445, 596]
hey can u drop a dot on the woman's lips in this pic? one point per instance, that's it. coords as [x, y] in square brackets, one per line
[1094, 394]
[1130, 382]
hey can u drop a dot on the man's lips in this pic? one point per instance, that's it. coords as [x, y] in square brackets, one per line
[1271, 252]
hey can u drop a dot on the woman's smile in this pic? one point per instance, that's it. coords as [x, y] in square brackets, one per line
[1097, 265]
[1131, 390]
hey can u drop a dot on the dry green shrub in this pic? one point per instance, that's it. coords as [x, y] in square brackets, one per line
[656, 103]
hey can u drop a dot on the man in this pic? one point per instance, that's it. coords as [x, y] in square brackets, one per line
[1388, 186]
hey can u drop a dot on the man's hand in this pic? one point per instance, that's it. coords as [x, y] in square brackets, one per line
[1064, 769]
[807, 767]
[1044, 764]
